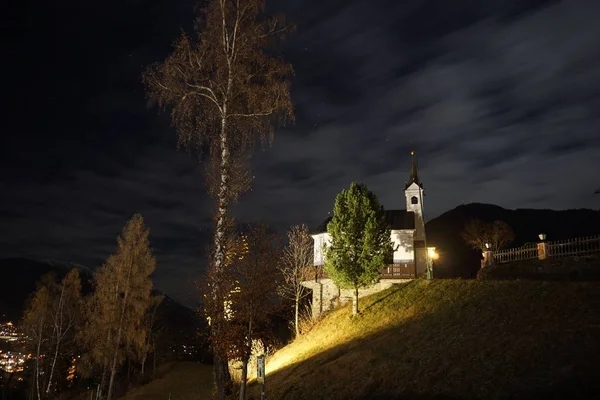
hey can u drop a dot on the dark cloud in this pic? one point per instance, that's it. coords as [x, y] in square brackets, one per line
[499, 98]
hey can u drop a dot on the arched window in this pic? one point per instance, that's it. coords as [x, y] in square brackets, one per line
[414, 200]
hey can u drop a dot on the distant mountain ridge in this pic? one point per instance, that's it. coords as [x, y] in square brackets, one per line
[19, 277]
[458, 260]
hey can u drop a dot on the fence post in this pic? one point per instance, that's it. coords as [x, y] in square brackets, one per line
[488, 256]
[542, 247]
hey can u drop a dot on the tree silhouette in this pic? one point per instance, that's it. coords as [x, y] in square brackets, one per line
[478, 233]
[225, 90]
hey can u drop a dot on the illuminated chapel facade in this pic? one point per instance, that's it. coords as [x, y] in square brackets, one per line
[410, 258]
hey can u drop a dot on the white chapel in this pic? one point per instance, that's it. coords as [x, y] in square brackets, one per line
[410, 258]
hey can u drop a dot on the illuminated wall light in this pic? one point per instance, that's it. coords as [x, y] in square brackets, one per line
[432, 253]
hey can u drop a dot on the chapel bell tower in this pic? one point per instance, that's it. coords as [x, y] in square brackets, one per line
[414, 193]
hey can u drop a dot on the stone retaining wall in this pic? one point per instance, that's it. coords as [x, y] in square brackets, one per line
[326, 295]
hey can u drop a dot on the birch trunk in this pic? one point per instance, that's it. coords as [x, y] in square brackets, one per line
[221, 365]
[355, 302]
[113, 367]
[142, 371]
[104, 369]
[58, 334]
[38, 351]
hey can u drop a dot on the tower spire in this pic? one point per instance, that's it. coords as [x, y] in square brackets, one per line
[414, 171]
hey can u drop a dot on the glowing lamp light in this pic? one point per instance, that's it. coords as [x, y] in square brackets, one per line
[542, 236]
[432, 253]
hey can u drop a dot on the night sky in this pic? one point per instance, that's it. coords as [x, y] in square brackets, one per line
[499, 98]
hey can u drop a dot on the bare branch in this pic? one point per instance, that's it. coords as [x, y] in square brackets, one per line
[259, 114]
[203, 95]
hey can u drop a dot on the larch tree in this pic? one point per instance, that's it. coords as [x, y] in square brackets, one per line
[360, 240]
[225, 89]
[295, 267]
[114, 326]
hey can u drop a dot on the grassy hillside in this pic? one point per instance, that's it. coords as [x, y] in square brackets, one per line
[179, 381]
[450, 339]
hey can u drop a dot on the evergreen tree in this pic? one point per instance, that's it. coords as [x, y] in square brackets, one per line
[360, 240]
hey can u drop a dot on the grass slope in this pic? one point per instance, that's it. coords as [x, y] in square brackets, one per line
[180, 381]
[450, 339]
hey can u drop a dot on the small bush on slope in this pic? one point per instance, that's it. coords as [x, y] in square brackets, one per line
[449, 338]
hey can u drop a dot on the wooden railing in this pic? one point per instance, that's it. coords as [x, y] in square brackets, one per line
[390, 271]
[516, 254]
[582, 246]
[399, 271]
[576, 247]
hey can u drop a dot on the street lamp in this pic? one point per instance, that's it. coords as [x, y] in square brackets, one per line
[542, 236]
[432, 253]
[488, 246]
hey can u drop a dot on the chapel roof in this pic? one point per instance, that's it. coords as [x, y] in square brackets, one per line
[396, 219]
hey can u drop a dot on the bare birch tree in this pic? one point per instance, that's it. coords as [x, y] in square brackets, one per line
[475, 233]
[65, 310]
[36, 326]
[150, 326]
[500, 234]
[122, 296]
[49, 320]
[478, 233]
[225, 91]
[295, 267]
